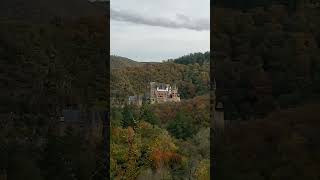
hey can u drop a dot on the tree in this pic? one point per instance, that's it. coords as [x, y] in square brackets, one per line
[203, 170]
[181, 127]
[147, 115]
[116, 117]
[127, 117]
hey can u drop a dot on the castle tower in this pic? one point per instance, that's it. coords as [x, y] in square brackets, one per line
[152, 92]
[174, 93]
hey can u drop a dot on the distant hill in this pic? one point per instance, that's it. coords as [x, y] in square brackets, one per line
[121, 62]
[191, 75]
[192, 80]
[117, 62]
[200, 58]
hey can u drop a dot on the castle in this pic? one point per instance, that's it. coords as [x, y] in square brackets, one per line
[159, 93]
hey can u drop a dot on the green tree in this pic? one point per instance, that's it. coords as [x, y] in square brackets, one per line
[127, 117]
[116, 117]
[147, 115]
[181, 127]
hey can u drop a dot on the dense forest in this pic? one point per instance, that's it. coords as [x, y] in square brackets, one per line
[284, 145]
[37, 74]
[267, 74]
[191, 77]
[265, 59]
[199, 58]
[50, 60]
[161, 141]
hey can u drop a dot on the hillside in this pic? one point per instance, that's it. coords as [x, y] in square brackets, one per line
[192, 58]
[192, 80]
[169, 140]
[162, 140]
[267, 70]
[42, 66]
[47, 66]
[265, 58]
[199, 106]
[117, 62]
[200, 58]
[284, 145]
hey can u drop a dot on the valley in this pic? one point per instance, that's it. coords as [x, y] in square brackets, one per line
[169, 139]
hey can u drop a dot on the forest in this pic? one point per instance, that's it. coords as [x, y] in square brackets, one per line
[265, 59]
[199, 58]
[49, 61]
[283, 145]
[162, 141]
[267, 74]
[192, 78]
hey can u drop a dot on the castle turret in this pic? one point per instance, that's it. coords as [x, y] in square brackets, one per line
[152, 95]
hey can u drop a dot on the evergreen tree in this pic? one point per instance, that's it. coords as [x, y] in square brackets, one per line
[127, 117]
[181, 127]
[147, 115]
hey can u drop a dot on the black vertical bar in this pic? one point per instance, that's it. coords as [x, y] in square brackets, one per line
[106, 119]
[106, 146]
[213, 142]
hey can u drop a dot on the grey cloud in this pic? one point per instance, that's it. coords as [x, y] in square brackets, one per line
[181, 20]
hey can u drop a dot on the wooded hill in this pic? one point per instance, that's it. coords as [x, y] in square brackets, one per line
[169, 140]
[266, 58]
[267, 68]
[46, 67]
[117, 62]
[52, 55]
[191, 78]
[199, 58]
[284, 145]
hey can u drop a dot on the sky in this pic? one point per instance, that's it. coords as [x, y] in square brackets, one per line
[156, 30]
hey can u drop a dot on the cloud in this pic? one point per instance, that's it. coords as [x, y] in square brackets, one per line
[181, 21]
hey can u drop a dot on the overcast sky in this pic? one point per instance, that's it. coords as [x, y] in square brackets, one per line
[156, 30]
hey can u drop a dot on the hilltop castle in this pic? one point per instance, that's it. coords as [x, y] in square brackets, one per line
[159, 93]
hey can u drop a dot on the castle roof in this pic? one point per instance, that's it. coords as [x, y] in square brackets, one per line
[162, 86]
